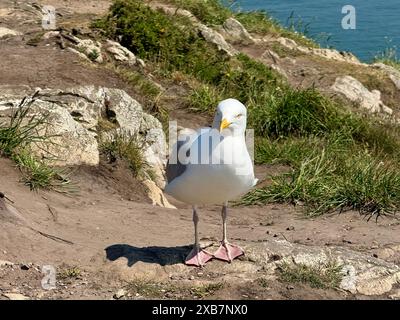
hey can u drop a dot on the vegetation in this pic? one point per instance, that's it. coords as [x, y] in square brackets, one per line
[215, 12]
[70, 273]
[16, 140]
[338, 160]
[323, 276]
[126, 147]
[389, 56]
[157, 290]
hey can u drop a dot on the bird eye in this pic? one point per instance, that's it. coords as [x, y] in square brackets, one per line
[239, 115]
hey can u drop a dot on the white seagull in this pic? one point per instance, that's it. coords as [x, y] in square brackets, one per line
[212, 166]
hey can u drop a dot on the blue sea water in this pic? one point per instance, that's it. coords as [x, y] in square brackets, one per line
[377, 22]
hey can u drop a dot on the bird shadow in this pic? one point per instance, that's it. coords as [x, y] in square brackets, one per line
[158, 255]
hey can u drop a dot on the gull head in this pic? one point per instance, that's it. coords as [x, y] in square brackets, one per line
[230, 117]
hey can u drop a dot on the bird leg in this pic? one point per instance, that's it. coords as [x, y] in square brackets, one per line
[197, 257]
[227, 251]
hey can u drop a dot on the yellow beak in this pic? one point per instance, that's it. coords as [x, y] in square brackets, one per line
[224, 124]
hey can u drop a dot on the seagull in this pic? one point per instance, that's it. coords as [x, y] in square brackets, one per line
[212, 166]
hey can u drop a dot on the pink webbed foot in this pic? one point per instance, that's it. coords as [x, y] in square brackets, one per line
[198, 257]
[228, 252]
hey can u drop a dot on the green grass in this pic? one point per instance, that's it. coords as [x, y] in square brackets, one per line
[203, 291]
[17, 136]
[330, 180]
[389, 56]
[21, 130]
[324, 276]
[128, 148]
[204, 99]
[70, 273]
[39, 175]
[93, 55]
[210, 12]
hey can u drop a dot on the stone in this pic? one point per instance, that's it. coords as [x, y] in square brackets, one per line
[5, 263]
[92, 49]
[395, 295]
[73, 116]
[156, 195]
[122, 54]
[393, 73]
[120, 294]
[5, 32]
[216, 38]
[51, 34]
[237, 31]
[15, 296]
[355, 91]
[80, 54]
[330, 54]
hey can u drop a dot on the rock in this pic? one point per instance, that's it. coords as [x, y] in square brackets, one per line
[393, 73]
[288, 43]
[85, 48]
[271, 54]
[4, 32]
[330, 54]
[51, 34]
[361, 273]
[73, 120]
[395, 295]
[25, 267]
[80, 54]
[237, 31]
[119, 294]
[15, 296]
[385, 253]
[216, 38]
[122, 54]
[156, 195]
[91, 49]
[354, 90]
[5, 263]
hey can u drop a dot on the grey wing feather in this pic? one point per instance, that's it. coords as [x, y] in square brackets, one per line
[176, 168]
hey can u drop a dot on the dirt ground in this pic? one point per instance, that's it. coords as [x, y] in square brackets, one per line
[108, 214]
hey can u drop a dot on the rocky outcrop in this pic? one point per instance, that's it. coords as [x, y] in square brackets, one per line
[216, 38]
[354, 90]
[330, 54]
[393, 73]
[73, 119]
[5, 32]
[360, 273]
[237, 32]
[122, 54]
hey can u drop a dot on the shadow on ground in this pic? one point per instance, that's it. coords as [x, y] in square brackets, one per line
[160, 255]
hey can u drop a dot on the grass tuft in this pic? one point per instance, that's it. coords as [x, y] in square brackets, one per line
[324, 276]
[16, 139]
[128, 148]
[70, 273]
